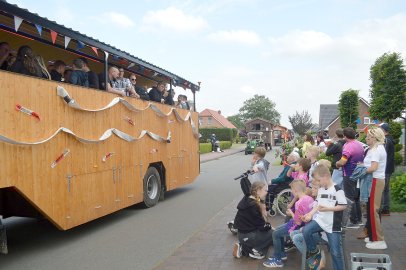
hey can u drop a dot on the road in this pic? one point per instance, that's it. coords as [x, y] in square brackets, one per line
[133, 238]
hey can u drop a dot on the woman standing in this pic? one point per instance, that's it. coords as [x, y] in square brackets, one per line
[254, 233]
[26, 63]
[320, 143]
[375, 162]
[309, 141]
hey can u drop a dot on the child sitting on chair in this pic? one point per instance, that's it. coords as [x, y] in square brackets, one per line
[326, 216]
[302, 207]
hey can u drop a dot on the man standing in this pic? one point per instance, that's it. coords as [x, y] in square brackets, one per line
[336, 149]
[125, 84]
[353, 152]
[390, 168]
[157, 93]
[58, 71]
[138, 89]
[112, 82]
[78, 76]
[92, 76]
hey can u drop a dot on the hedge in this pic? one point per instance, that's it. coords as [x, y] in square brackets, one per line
[398, 158]
[222, 134]
[398, 147]
[206, 147]
[398, 188]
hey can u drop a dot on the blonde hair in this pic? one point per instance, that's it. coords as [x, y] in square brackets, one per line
[378, 134]
[315, 150]
[255, 187]
[254, 191]
[325, 162]
[298, 185]
[260, 151]
[322, 171]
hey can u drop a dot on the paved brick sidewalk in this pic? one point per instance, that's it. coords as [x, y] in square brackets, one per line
[211, 247]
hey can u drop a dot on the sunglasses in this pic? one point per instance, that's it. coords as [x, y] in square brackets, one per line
[133, 79]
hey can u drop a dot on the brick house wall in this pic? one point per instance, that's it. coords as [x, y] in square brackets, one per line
[365, 119]
[209, 122]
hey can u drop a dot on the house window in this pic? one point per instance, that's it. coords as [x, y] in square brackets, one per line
[256, 127]
[209, 120]
[367, 120]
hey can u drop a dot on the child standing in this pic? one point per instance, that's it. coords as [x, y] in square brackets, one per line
[302, 207]
[313, 153]
[326, 216]
[259, 166]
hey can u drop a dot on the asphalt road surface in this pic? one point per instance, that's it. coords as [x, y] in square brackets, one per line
[133, 238]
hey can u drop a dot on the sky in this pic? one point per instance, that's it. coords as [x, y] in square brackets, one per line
[299, 53]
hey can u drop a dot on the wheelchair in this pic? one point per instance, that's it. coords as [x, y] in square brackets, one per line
[279, 204]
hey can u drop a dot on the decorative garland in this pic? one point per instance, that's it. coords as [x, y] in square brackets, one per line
[73, 104]
[107, 134]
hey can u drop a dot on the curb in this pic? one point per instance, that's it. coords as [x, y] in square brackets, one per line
[225, 155]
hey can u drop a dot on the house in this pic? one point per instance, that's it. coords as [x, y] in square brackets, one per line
[213, 119]
[272, 133]
[328, 112]
[261, 125]
[362, 121]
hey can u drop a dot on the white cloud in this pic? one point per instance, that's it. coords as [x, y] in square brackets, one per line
[236, 36]
[247, 89]
[368, 39]
[118, 19]
[301, 42]
[174, 19]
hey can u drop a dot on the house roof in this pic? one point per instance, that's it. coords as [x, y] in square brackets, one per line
[338, 116]
[258, 118]
[35, 19]
[283, 127]
[220, 118]
[328, 112]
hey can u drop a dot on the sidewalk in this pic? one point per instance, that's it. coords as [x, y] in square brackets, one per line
[235, 148]
[211, 247]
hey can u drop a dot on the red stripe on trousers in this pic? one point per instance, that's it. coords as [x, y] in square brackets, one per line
[372, 211]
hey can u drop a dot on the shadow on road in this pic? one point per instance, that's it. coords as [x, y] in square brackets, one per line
[27, 234]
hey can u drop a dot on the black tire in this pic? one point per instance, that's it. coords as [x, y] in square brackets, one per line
[282, 200]
[152, 187]
[246, 153]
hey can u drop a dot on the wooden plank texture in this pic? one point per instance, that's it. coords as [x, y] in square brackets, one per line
[82, 187]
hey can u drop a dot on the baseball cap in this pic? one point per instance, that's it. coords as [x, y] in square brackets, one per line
[384, 126]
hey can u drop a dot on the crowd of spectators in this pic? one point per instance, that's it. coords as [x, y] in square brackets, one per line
[327, 199]
[26, 61]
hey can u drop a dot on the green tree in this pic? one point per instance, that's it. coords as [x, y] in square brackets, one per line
[259, 106]
[388, 87]
[236, 120]
[348, 108]
[301, 122]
